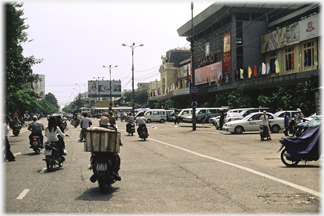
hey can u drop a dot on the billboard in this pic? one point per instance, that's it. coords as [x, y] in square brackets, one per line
[101, 88]
[209, 73]
[309, 28]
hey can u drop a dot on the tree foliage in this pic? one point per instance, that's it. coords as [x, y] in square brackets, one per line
[239, 98]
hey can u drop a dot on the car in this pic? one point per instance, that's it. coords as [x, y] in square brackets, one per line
[238, 110]
[158, 115]
[183, 113]
[291, 114]
[169, 115]
[252, 122]
[211, 112]
[252, 110]
[230, 116]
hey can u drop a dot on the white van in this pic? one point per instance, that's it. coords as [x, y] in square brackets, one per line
[183, 113]
[157, 115]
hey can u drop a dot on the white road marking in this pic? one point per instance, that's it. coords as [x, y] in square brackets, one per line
[316, 193]
[17, 153]
[42, 171]
[23, 194]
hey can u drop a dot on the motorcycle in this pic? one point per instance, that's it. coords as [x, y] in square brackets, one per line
[301, 128]
[52, 156]
[264, 133]
[102, 165]
[16, 130]
[305, 148]
[130, 128]
[143, 132]
[36, 144]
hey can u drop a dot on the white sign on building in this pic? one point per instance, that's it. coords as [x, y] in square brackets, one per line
[101, 88]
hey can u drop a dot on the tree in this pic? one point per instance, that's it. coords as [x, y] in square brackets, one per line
[52, 103]
[23, 100]
[18, 67]
[239, 98]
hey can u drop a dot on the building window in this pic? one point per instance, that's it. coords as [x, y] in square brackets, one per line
[207, 49]
[273, 58]
[289, 54]
[309, 54]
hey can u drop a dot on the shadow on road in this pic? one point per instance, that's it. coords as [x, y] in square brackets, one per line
[94, 194]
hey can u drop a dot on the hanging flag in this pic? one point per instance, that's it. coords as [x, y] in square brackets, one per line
[255, 71]
[250, 72]
[220, 79]
[268, 67]
[264, 68]
[299, 60]
[168, 89]
[187, 72]
[227, 77]
[260, 69]
[287, 63]
[241, 74]
[305, 62]
[151, 94]
[315, 57]
[245, 73]
[277, 66]
[236, 75]
[181, 84]
[209, 80]
[292, 61]
[273, 67]
[185, 84]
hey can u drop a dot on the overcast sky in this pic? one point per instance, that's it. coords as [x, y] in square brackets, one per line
[76, 39]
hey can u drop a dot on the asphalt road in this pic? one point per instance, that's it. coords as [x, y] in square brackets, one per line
[175, 171]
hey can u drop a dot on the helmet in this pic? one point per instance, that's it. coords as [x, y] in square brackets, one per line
[298, 110]
[34, 117]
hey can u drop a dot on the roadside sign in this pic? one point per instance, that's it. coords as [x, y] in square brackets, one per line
[194, 97]
[194, 104]
[194, 89]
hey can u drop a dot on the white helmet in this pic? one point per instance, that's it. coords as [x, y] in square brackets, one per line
[298, 110]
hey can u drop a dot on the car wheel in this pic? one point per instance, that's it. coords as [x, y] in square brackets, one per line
[239, 130]
[148, 120]
[275, 128]
[162, 120]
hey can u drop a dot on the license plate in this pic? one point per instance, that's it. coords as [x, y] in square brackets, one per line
[133, 128]
[261, 130]
[48, 152]
[101, 167]
[35, 143]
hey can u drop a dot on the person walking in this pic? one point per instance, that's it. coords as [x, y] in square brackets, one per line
[221, 120]
[176, 115]
[286, 123]
[9, 155]
[84, 124]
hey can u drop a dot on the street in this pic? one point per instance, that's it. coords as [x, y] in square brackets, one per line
[176, 170]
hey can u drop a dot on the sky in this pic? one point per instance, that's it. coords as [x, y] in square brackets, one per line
[76, 38]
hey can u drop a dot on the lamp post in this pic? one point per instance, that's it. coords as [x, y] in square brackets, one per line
[110, 84]
[98, 84]
[133, 47]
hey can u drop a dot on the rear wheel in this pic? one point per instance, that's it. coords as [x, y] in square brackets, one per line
[101, 184]
[162, 120]
[148, 120]
[238, 130]
[49, 166]
[284, 158]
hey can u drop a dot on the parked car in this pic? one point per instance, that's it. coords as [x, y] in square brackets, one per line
[211, 112]
[230, 116]
[169, 114]
[252, 122]
[238, 110]
[291, 114]
[252, 110]
[183, 113]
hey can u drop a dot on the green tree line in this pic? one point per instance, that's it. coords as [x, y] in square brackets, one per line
[19, 95]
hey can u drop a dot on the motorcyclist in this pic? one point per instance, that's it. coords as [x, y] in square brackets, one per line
[298, 117]
[36, 128]
[84, 124]
[107, 122]
[130, 120]
[16, 123]
[51, 132]
[140, 121]
[265, 122]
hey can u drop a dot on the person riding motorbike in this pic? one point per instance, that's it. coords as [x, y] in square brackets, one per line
[36, 128]
[140, 121]
[84, 124]
[51, 132]
[108, 123]
[130, 120]
[265, 122]
[16, 123]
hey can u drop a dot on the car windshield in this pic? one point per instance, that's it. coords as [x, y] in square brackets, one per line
[248, 116]
[277, 113]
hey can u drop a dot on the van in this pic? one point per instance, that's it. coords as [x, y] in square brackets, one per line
[183, 113]
[211, 112]
[157, 115]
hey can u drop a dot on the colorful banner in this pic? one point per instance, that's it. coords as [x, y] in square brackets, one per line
[292, 34]
[212, 72]
[273, 40]
[183, 71]
[227, 52]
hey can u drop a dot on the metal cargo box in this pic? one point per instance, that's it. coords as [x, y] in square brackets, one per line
[100, 139]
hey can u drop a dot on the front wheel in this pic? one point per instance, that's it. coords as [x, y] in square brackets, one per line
[49, 166]
[238, 130]
[275, 128]
[284, 158]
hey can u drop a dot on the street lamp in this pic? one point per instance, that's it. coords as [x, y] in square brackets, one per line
[133, 47]
[110, 84]
[98, 84]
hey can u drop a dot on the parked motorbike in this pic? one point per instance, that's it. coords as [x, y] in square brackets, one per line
[305, 148]
[264, 132]
[102, 165]
[36, 144]
[130, 128]
[301, 128]
[16, 130]
[143, 132]
[52, 156]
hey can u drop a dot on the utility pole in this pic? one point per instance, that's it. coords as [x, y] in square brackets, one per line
[192, 67]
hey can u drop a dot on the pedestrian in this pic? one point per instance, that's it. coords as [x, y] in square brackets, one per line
[9, 155]
[84, 124]
[176, 115]
[286, 123]
[265, 122]
[221, 120]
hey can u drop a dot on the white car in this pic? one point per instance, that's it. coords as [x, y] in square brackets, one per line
[252, 122]
[230, 116]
